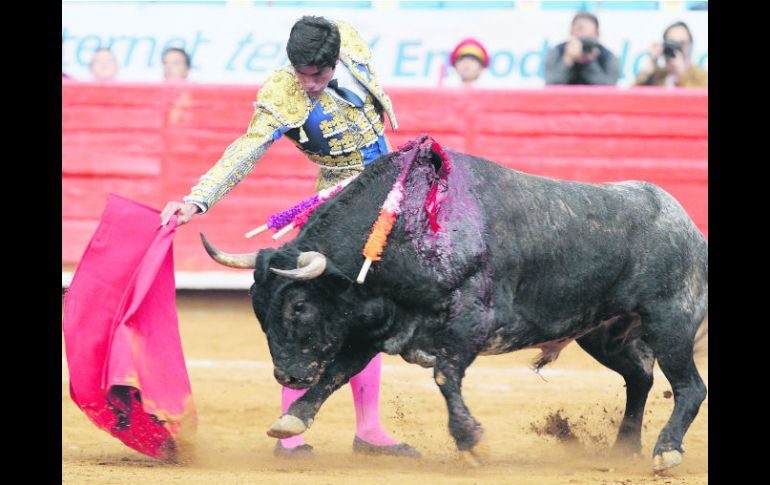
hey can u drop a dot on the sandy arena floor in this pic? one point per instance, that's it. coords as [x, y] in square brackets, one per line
[237, 399]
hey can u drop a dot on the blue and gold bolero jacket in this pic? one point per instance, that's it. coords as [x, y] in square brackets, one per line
[341, 135]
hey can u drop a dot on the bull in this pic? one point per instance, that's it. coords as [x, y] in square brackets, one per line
[507, 261]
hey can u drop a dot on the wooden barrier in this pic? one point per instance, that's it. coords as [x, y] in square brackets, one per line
[151, 142]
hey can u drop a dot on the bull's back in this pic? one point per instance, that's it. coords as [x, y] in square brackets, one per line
[560, 248]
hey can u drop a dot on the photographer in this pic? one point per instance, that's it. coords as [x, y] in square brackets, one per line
[671, 63]
[582, 59]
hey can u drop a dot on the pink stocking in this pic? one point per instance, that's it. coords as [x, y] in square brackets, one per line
[366, 399]
[288, 396]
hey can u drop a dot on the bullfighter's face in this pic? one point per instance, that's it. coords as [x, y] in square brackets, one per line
[314, 79]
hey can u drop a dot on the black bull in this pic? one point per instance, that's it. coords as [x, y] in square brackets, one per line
[519, 261]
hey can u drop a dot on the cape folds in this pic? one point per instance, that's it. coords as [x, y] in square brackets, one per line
[124, 355]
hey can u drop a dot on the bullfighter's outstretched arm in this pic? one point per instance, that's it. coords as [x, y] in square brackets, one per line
[238, 160]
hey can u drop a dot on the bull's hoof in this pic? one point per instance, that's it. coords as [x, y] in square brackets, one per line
[286, 427]
[623, 450]
[471, 459]
[362, 447]
[666, 460]
[478, 455]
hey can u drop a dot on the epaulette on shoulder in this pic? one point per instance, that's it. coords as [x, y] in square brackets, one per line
[352, 44]
[284, 98]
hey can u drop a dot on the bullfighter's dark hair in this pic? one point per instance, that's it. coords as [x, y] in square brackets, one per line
[313, 41]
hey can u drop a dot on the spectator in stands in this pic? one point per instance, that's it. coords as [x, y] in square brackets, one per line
[469, 59]
[582, 59]
[176, 64]
[675, 67]
[329, 102]
[104, 66]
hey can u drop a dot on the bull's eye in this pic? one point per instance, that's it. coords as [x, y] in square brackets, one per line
[298, 307]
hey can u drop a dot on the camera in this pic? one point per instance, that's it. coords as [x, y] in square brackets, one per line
[588, 44]
[670, 47]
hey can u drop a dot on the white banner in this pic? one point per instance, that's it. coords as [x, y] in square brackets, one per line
[242, 43]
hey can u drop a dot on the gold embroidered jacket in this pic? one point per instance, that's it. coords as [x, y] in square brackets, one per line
[339, 132]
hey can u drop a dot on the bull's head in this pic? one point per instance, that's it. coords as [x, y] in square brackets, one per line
[307, 309]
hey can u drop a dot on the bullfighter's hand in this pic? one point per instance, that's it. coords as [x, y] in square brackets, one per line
[185, 212]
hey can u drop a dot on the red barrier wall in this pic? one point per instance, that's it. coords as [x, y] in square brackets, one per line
[152, 142]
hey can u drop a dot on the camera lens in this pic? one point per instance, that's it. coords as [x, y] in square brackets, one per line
[670, 47]
[588, 44]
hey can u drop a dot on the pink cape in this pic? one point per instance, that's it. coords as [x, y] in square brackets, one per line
[121, 334]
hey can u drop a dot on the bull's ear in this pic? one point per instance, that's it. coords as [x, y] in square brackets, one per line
[261, 269]
[333, 272]
[373, 312]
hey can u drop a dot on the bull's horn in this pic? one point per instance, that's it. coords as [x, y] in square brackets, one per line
[248, 260]
[310, 264]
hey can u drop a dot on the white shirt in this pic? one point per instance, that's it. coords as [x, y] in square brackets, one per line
[346, 80]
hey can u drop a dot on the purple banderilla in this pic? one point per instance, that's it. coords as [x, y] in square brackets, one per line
[297, 215]
[283, 218]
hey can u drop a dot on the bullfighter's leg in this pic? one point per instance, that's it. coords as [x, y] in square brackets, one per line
[371, 438]
[464, 428]
[294, 446]
[301, 413]
[671, 333]
[366, 399]
[633, 359]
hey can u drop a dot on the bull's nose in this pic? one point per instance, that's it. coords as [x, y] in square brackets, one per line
[291, 381]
